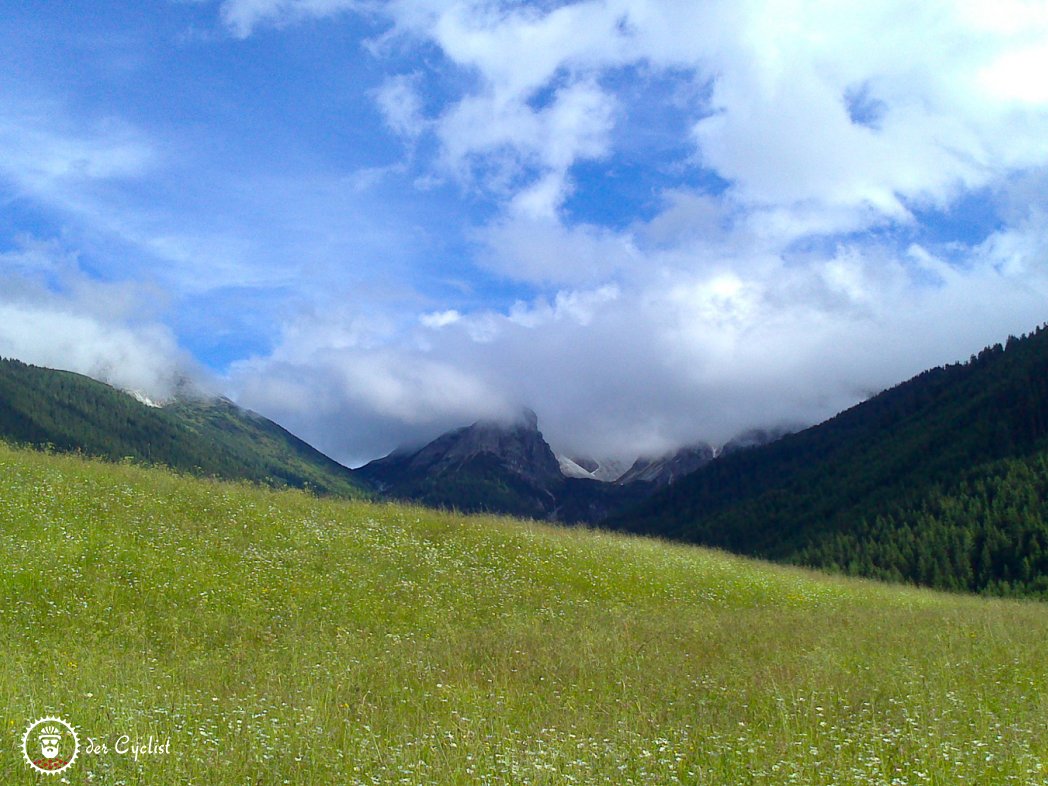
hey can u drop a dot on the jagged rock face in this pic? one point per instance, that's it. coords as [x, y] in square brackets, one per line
[503, 468]
[509, 468]
[666, 469]
[606, 471]
[587, 464]
[571, 468]
[518, 447]
[489, 466]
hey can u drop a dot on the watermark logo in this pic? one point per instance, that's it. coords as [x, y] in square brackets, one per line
[50, 745]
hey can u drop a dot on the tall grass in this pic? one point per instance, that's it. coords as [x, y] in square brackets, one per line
[277, 638]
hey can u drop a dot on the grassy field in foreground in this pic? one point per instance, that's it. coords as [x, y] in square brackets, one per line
[275, 638]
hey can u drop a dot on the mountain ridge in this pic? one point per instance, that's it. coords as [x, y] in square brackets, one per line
[504, 467]
[203, 435]
[664, 470]
[508, 467]
[851, 493]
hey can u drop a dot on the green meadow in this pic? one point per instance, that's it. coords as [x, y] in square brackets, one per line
[279, 638]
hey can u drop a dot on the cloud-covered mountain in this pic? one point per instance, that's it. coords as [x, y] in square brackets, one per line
[606, 470]
[663, 470]
[489, 466]
[504, 467]
[190, 432]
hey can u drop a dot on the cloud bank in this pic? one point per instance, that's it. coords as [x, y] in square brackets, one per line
[682, 356]
[53, 315]
[806, 256]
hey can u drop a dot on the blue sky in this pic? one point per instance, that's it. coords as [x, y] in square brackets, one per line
[652, 221]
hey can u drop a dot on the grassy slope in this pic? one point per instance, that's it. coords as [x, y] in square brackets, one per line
[278, 638]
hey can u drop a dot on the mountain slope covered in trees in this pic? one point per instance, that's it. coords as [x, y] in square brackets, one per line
[941, 480]
[207, 436]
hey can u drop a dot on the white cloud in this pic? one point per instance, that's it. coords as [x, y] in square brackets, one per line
[502, 142]
[439, 319]
[243, 16]
[398, 99]
[1019, 75]
[822, 119]
[957, 89]
[541, 249]
[686, 354]
[781, 130]
[958, 86]
[356, 401]
[515, 48]
[53, 315]
[46, 158]
[825, 122]
[138, 358]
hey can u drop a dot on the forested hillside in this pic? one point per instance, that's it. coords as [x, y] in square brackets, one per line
[940, 480]
[207, 436]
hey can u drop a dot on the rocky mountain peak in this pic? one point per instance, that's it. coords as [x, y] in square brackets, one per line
[517, 446]
[663, 470]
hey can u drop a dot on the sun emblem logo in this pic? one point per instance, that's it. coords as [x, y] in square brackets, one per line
[50, 745]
